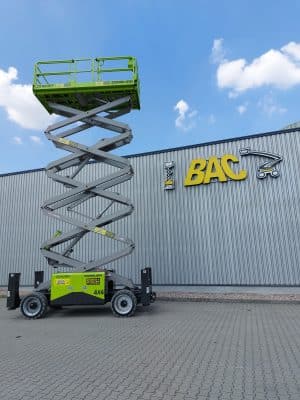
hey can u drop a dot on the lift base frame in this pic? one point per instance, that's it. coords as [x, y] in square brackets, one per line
[85, 289]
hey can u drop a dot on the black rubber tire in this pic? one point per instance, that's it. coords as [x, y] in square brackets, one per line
[34, 305]
[125, 296]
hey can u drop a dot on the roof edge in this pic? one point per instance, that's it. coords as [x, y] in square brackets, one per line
[191, 146]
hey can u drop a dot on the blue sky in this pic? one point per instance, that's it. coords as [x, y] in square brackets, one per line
[209, 70]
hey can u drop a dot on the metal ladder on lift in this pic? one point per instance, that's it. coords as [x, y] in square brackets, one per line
[85, 105]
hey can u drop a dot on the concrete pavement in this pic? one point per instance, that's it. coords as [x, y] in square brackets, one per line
[171, 350]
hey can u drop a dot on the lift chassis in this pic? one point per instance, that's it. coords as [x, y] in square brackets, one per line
[85, 105]
[82, 289]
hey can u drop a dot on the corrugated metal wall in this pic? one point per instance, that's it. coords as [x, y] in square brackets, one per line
[233, 233]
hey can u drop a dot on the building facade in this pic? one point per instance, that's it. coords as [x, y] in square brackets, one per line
[220, 213]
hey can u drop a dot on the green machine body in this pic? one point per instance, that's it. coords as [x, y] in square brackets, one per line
[82, 288]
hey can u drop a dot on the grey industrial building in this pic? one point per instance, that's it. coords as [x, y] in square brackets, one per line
[219, 213]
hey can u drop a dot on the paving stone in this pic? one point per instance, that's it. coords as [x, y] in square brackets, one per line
[174, 351]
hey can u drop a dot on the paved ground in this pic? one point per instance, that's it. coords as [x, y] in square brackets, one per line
[264, 290]
[172, 350]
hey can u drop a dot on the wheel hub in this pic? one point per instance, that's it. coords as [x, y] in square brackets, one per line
[32, 307]
[123, 304]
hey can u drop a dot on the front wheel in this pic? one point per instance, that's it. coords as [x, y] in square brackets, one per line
[261, 174]
[123, 303]
[34, 306]
[275, 173]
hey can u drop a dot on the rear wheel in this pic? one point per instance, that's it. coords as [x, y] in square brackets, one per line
[34, 306]
[123, 303]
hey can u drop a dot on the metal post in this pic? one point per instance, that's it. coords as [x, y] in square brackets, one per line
[146, 283]
[13, 298]
[38, 278]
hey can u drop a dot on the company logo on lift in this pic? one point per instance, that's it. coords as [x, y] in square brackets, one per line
[62, 281]
[202, 171]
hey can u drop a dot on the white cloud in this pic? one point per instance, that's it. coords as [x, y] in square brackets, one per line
[36, 139]
[182, 107]
[269, 106]
[185, 120]
[242, 108]
[192, 114]
[275, 68]
[20, 104]
[293, 50]
[217, 52]
[17, 140]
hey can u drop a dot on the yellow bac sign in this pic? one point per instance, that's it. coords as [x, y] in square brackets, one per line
[202, 171]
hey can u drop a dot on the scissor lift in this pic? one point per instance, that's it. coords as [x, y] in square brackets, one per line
[88, 93]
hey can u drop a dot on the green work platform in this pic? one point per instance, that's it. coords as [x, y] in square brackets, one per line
[85, 82]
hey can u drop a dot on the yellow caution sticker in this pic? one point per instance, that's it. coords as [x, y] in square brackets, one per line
[57, 233]
[67, 142]
[104, 232]
[64, 141]
[101, 231]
